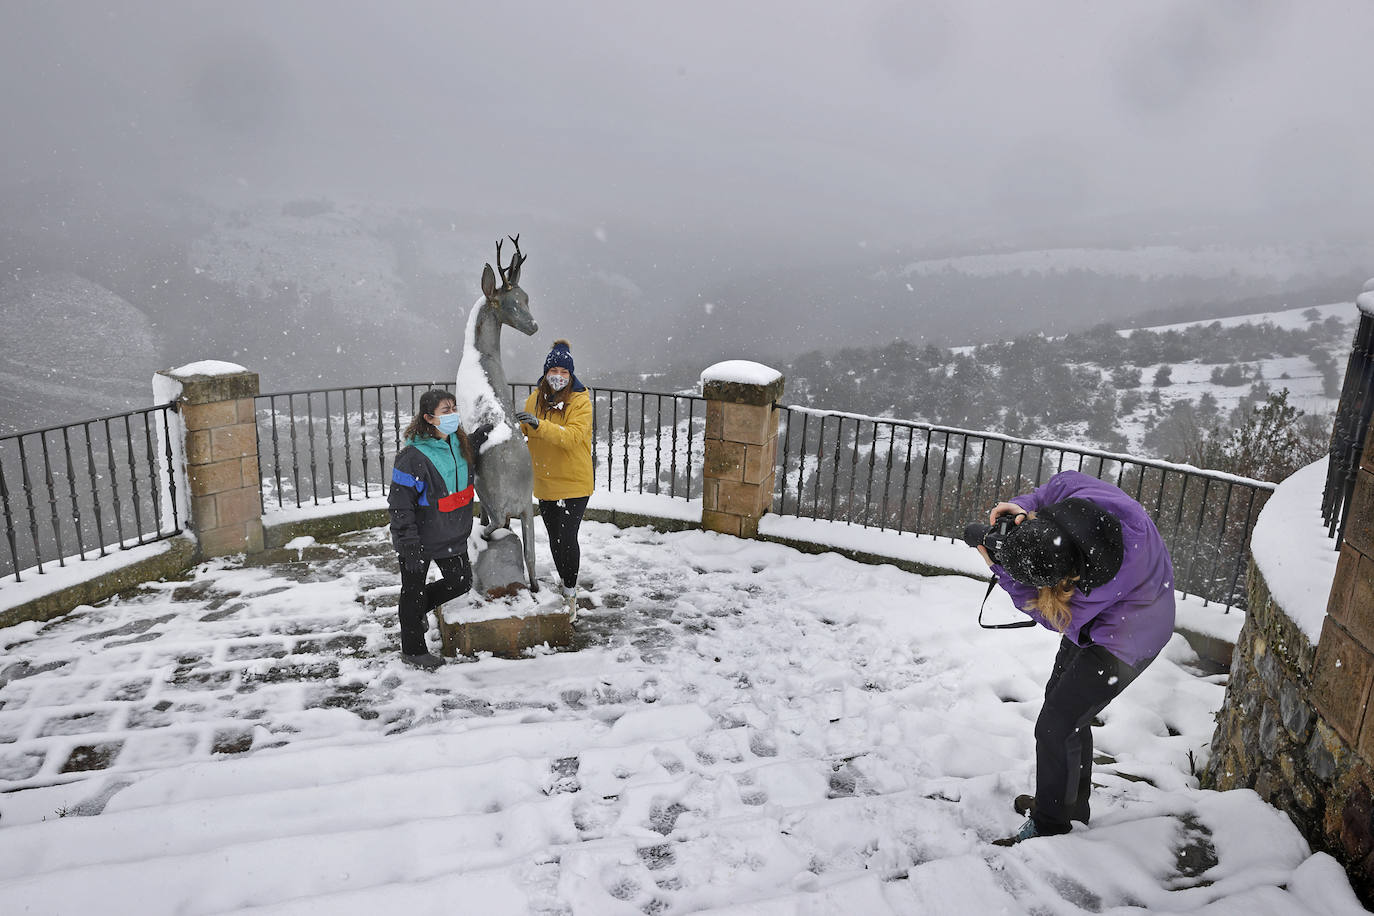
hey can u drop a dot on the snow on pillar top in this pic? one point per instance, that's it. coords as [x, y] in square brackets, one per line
[741, 381]
[1365, 300]
[208, 381]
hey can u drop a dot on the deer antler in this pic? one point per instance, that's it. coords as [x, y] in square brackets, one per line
[510, 274]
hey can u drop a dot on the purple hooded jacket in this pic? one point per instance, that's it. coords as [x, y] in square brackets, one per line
[1132, 614]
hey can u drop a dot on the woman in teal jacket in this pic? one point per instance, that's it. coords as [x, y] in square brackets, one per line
[431, 516]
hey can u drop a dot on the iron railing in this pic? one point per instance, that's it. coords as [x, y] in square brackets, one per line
[332, 445]
[934, 480]
[335, 445]
[1350, 429]
[78, 491]
[329, 445]
[644, 441]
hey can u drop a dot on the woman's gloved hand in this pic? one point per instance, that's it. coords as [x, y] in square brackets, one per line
[528, 419]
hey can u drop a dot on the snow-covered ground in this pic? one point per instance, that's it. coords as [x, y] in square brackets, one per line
[741, 728]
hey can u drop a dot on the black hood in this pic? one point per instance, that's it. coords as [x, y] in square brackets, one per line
[1097, 535]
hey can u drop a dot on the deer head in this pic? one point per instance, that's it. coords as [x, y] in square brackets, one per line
[509, 301]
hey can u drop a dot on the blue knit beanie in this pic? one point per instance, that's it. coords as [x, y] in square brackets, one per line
[560, 355]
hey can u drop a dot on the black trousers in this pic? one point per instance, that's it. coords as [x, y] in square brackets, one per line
[418, 599]
[1083, 682]
[562, 518]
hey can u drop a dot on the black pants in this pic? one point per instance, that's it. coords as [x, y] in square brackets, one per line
[562, 518]
[418, 599]
[1083, 682]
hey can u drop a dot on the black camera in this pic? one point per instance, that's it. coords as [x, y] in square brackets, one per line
[993, 537]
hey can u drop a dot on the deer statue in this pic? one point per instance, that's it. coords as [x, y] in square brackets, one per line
[505, 478]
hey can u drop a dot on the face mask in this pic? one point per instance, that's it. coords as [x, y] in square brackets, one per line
[556, 382]
[448, 423]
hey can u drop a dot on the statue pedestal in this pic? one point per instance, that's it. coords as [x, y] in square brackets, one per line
[500, 615]
[505, 637]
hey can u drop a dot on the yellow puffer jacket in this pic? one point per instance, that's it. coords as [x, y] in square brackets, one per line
[561, 448]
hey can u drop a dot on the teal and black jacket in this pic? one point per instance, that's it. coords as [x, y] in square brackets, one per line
[431, 496]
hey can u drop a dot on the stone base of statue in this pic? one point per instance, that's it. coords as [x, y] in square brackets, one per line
[500, 615]
[506, 635]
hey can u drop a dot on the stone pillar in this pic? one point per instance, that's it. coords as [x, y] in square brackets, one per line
[1344, 675]
[220, 449]
[741, 445]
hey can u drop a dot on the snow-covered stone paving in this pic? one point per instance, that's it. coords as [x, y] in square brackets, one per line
[740, 728]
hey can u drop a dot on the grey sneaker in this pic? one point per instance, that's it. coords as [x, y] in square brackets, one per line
[426, 661]
[570, 599]
[1026, 832]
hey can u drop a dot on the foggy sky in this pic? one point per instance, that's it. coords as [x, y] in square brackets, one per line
[799, 122]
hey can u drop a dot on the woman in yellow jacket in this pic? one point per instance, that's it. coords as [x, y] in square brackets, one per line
[557, 422]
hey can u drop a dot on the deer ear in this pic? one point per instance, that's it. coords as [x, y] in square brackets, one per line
[488, 281]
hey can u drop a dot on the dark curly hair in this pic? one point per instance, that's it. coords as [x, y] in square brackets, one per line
[420, 428]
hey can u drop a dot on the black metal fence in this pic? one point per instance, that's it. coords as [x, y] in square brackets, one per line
[925, 479]
[329, 445]
[85, 488]
[1351, 428]
[335, 445]
[332, 445]
[79, 491]
[644, 441]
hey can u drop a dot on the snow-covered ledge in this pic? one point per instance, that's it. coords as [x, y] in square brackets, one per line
[1294, 553]
[741, 445]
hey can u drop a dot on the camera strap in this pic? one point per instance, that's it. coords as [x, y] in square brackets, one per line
[992, 583]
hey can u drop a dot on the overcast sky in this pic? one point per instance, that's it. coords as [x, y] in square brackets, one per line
[838, 121]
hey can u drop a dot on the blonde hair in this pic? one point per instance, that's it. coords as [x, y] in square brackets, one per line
[1052, 602]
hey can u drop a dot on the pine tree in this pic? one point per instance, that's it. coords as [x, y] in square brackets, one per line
[1272, 441]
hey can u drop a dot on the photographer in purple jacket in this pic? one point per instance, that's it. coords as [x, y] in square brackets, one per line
[1082, 558]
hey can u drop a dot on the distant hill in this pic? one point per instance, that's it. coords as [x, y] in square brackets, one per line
[1120, 389]
[72, 350]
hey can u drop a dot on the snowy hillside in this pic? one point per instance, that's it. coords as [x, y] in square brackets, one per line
[1306, 383]
[72, 346]
[1113, 389]
[366, 261]
[1151, 262]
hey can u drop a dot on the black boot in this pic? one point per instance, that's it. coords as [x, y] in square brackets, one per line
[426, 661]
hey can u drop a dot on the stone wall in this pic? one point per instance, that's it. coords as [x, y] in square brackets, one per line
[1294, 726]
